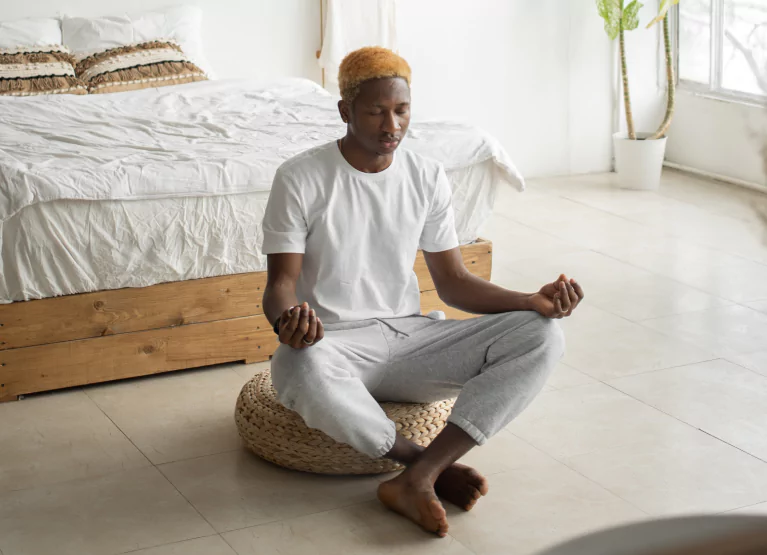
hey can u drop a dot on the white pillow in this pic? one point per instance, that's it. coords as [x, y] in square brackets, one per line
[183, 24]
[36, 31]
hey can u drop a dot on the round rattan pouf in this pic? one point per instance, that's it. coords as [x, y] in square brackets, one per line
[280, 435]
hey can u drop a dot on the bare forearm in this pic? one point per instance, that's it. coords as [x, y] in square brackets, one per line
[279, 297]
[473, 294]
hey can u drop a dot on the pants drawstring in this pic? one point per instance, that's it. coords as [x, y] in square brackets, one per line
[391, 327]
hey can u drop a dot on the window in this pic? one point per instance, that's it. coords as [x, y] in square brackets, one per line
[722, 47]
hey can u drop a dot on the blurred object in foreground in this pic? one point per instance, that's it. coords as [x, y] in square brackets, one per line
[761, 210]
[698, 535]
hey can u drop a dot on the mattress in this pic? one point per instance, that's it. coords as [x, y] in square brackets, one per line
[138, 188]
[73, 246]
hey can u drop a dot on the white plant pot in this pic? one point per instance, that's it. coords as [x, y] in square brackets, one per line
[639, 163]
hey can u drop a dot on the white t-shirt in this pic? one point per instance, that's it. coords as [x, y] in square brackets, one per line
[359, 232]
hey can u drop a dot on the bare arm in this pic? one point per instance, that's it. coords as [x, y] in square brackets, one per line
[459, 288]
[299, 325]
[281, 277]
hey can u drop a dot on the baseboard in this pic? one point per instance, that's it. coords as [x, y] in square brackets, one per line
[717, 177]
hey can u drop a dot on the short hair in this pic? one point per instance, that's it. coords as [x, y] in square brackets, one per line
[370, 62]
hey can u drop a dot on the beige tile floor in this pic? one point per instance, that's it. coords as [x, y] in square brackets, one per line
[658, 408]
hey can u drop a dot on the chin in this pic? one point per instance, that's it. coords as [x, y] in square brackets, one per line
[385, 151]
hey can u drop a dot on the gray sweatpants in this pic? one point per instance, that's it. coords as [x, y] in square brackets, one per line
[495, 364]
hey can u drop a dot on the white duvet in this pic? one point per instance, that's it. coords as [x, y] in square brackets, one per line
[204, 139]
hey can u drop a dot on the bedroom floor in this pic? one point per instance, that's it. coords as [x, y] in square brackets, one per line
[659, 408]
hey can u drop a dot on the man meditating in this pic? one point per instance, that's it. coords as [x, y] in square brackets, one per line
[342, 229]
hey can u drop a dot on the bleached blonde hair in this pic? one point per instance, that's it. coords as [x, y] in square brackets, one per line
[370, 62]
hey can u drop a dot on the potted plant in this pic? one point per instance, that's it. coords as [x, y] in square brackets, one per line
[639, 156]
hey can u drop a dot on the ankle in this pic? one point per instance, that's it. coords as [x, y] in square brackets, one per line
[419, 474]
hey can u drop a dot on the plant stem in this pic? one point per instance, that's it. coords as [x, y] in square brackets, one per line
[626, 93]
[671, 93]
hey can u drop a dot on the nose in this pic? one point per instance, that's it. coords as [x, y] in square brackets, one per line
[390, 124]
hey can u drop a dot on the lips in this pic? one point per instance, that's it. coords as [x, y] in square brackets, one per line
[389, 143]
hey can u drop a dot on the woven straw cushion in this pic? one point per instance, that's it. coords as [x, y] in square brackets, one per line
[279, 435]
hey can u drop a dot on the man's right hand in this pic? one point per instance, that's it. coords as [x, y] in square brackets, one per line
[300, 327]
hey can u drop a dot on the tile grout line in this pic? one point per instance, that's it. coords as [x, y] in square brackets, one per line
[163, 544]
[125, 435]
[739, 365]
[733, 446]
[652, 370]
[157, 467]
[153, 465]
[720, 440]
[628, 218]
[671, 279]
[459, 542]
[221, 535]
[279, 520]
[187, 500]
[651, 272]
[590, 480]
[198, 457]
[743, 507]
[276, 521]
[608, 490]
[673, 236]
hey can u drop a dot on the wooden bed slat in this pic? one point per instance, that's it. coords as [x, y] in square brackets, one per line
[103, 313]
[72, 363]
[128, 310]
[124, 333]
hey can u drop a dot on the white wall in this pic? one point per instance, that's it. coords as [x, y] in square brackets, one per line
[534, 74]
[722, 138]
[243, 38]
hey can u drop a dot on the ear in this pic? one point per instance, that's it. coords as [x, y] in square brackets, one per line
[343, 109]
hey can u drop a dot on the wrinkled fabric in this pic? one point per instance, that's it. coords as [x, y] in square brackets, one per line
[198, 140]
[494, 364]
[74, 246]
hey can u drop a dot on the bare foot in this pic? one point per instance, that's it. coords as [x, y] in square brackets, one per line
[461, 485]
[418, 502]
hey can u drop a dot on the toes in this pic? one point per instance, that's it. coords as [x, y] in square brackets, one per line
[479, 481]
[437, 510]
[438, 513]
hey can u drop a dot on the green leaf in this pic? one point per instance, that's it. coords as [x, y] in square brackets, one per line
[631, 15]
[664, 8]
[610, 11]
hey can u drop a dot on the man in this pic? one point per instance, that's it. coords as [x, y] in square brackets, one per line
[341, 233]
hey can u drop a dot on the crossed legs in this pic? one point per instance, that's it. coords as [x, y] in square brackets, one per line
[496, 364]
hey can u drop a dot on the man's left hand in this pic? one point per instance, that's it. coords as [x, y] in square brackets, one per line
[558, 299]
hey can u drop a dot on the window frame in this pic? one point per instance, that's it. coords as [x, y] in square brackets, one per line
[714, 88]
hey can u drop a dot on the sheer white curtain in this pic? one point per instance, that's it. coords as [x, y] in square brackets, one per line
[352, 24]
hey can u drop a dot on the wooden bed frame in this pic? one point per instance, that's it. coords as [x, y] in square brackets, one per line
[96, 337]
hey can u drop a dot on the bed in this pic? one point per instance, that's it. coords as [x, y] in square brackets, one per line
[130, 223]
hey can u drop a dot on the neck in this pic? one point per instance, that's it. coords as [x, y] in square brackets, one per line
[361, 159]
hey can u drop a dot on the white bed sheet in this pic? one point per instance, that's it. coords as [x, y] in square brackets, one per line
[209, 139]
[73, 246]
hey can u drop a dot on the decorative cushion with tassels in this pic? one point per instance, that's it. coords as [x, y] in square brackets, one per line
[36, 70]
[137, 66]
